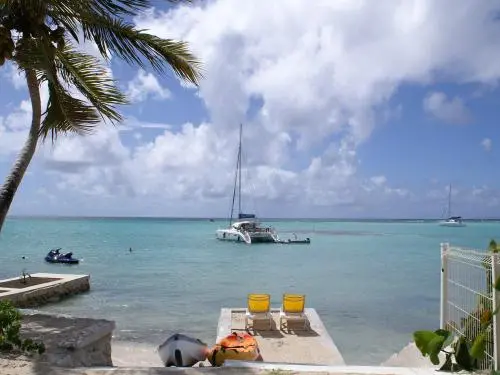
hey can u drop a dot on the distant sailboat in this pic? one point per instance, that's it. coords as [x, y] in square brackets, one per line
[451, 221]
[247, 229]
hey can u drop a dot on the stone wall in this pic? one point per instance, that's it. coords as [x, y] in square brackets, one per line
[40, 295]
[69, 341]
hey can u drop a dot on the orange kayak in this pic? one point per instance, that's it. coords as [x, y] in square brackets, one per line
[238, 346]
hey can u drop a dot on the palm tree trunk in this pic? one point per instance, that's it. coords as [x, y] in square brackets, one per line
[13, 180]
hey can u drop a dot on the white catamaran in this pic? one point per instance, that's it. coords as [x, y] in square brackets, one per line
[246, 228]
[451, 221]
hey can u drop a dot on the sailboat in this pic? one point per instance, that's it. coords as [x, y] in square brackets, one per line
[245, 228]
[452, 221]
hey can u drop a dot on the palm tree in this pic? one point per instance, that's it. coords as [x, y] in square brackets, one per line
[40, 38]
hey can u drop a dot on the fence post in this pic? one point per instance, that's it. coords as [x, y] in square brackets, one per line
[444, 285]
[495, 273]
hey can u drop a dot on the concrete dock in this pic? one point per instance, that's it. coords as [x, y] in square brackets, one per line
[313, 346]
[39, 288]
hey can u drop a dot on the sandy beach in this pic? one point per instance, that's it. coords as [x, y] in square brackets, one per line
[131, 354]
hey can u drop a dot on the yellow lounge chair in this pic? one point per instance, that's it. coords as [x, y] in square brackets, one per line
[293, 308]
[258, 308]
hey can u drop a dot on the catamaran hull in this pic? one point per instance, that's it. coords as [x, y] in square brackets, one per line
[451, 224]
[235, 236]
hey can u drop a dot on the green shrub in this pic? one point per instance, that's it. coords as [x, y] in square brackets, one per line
[10, 325]
[493, 247]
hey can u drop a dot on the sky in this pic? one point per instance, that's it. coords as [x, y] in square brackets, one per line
[350, 109]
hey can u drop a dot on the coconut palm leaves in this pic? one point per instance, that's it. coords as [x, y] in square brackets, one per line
[44, 29]
[41, 37]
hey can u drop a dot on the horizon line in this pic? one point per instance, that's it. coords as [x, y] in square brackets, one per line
[36, 216]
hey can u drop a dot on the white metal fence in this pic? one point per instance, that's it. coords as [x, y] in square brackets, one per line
[467, 296]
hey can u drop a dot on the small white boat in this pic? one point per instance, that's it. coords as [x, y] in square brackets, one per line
[454, 221]
[182, 351]
[451, 221]
[247, 229]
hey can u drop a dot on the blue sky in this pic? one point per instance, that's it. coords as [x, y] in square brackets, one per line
[350, 109]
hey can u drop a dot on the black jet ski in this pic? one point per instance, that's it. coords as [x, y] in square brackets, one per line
[182, 351]
[55, 256]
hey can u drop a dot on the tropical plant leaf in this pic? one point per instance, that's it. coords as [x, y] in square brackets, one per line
[66, 114]
[478, 347]
[486, 318]
[462, 355]
[423, 339]
[92, 80]
[35, 54]
[434, 348]
[442, 332]
[137, 47]
[492, 247]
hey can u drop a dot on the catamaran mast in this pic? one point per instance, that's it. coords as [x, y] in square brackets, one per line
[237, 181]
[449, 202]
[239, 168]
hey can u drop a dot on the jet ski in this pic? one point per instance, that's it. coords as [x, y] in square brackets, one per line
[182, 351]
[55, 256]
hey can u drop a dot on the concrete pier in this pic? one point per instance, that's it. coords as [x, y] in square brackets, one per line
[313, 346]
[41, 288]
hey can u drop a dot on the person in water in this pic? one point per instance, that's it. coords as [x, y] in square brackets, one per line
[130, 250]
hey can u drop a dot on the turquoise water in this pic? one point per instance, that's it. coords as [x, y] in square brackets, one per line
[372, 283]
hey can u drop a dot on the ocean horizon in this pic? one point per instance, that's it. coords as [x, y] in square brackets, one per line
[372, 282]
[263, 218]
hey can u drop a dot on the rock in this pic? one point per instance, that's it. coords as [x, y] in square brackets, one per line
[69, 341]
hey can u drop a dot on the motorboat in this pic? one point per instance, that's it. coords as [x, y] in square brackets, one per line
[55, 256]
[305, 241]
[246, 228]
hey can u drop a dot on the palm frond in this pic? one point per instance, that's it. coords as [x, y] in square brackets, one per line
[36, 54]
[137, 47]
[92, 80]
[66, 114]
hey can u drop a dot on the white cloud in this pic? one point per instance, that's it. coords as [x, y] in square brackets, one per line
[144, 86]
[378, 180]
[322, 74]
[486, 143]
[323, 69]
[452, 111]
[15, 76]
[14, 128]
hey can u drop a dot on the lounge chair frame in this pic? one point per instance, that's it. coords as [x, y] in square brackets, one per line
[258, 315]
[300, 315]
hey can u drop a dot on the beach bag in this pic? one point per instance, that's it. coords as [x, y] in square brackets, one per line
[237, 346]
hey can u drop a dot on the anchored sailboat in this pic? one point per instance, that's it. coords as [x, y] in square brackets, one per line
[246, 228]
[452, 221]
